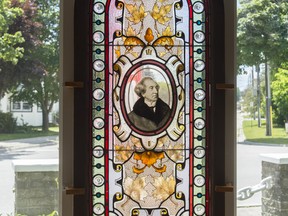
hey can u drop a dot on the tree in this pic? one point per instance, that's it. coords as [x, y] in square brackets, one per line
[43, 92]
[44, 89]
[249, 101]
[10, 42]
[280, 94]
[238, 94]
[262, 38]
[12, 75]
[262, 32]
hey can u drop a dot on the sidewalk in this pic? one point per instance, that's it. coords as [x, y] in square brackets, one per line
[249, 211]
[29, 142]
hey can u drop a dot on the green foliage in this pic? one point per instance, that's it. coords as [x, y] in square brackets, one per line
[262, 32]
[34, 132]
[7, 214]
[280, 95]
[238, 96]
[42, 88]
[13, 74]
[24, 128]
[249, 103]
[7, 123]
[10, 42]
[54, 213]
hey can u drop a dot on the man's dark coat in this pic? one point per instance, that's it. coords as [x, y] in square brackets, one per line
[145, 119]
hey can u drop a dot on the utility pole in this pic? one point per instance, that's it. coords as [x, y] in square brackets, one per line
[268, 100]
[253, 91]
[258, 95]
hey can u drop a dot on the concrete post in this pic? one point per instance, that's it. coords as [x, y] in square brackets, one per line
[275, 200]
[36, 187]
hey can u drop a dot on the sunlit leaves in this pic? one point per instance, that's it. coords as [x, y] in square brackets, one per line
[37, 71]
[280, 93]
[10, 42]
[262, 31]
[9, 49]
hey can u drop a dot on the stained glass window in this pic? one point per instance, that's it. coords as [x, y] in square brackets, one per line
[149, 107]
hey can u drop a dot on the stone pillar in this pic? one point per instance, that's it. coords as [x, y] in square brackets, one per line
[36, 187]
[275, 200]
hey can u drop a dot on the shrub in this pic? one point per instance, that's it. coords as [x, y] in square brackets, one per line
[7, 123]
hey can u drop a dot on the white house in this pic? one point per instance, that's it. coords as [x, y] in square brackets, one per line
[25, 113]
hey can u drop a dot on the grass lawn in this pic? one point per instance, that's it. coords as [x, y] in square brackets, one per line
[255, 134]
[35, 132]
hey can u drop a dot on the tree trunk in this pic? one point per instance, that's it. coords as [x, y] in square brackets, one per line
[45, 120]
[253, 92]
[268, 101]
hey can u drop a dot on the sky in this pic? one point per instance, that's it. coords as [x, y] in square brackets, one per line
[242, 81]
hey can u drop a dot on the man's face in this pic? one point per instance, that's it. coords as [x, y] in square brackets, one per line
[152, 88]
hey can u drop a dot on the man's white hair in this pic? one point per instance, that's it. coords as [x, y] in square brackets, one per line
[140, 88]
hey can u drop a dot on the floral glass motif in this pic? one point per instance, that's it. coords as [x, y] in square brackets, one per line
[149, 107]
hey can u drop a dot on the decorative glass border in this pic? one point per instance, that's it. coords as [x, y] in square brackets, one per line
[199, 188]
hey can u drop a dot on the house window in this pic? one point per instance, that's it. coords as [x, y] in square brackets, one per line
[21, 106]
[16, 106]
[26, 106]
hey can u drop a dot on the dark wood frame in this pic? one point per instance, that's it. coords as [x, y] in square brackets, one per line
[82, 116]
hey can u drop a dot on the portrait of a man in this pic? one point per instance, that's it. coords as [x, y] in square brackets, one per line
[149, 113]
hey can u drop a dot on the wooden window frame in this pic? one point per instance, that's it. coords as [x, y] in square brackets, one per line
[74, 146]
